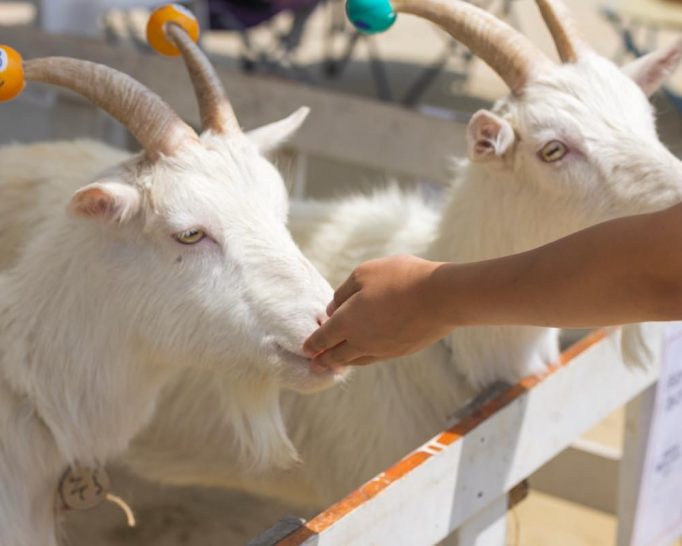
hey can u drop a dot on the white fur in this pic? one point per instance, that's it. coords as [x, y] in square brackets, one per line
[102, 308]
[497, 205]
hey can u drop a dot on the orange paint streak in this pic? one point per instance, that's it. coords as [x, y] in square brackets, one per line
[468, 423]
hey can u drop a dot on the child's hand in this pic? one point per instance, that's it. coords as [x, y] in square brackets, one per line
[387, 307]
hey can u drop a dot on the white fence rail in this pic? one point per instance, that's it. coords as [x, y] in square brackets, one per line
[459, 480]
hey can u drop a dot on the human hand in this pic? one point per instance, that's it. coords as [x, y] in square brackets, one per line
[387, 307]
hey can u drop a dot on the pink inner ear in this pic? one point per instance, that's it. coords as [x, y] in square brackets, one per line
[487, 132]
[94, 202]
[651, 79]
[483, 146]
[488, 136]
[651, 71]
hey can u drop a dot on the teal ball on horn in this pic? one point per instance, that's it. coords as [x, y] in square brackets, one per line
[370, 16]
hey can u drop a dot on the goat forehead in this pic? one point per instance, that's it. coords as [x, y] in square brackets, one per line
[211, 204]
[594, 95]
[247, 230]
[214, 179]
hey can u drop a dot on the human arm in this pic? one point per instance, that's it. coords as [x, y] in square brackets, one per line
[625, 270]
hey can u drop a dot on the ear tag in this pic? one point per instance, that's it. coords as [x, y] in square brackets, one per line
[83, 488]
[11, 73]
[371, 16]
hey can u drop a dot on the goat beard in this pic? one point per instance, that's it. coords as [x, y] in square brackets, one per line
[260, 435]
[251, 424]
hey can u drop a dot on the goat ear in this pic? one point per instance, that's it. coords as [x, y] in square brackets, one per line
[106, 202]
[271, 136]
[652, 70]
[489, 136]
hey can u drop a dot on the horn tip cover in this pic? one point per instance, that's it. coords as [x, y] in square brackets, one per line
[156, 28]
[371, 16]
[11, 73]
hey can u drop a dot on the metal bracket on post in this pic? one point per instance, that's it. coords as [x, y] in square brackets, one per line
[277, 532]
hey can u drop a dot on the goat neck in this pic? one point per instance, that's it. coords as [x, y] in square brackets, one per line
[69, 395]
[30, 465]
[510, 214]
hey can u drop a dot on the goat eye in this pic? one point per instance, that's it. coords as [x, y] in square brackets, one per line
[553, 151]
[189, 237]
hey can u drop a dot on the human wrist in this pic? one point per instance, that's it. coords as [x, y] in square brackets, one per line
[442, 294]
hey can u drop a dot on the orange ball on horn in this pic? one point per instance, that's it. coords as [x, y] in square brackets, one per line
[156, 28]
[11, 73]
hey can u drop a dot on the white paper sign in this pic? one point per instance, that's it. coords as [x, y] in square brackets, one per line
[659, 507]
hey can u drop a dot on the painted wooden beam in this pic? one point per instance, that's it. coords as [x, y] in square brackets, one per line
[638, 415]
[460, 472]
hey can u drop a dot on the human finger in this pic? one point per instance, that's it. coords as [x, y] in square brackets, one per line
[363, 361]
[349, 287]
[337, 356]
[325, 337]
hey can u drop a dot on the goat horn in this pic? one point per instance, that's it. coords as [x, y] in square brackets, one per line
[216, 111]
[509, 53]
[563, 29]
[150, 120]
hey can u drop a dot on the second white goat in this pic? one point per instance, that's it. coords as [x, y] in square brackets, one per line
[574, 144]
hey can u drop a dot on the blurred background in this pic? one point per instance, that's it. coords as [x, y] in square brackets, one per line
[413, 67]
[393, 106]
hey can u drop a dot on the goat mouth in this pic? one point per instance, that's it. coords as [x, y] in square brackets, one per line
[291, 357]
[299, 366]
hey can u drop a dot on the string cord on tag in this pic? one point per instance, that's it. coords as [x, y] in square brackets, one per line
[123, 505]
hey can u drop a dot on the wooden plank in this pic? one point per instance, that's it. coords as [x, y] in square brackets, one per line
[586, 473]
[638, 417]
[341, 127]
[458, 473]
[487, 528]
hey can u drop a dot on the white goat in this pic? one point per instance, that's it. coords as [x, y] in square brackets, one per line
[573, 145]
[177, 257]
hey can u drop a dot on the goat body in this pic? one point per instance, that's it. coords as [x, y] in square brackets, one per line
[506, 199]
[497, 207]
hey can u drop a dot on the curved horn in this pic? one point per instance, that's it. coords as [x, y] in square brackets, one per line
[507, 51]
[216, 111]
[150, 120]
[563, 28]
